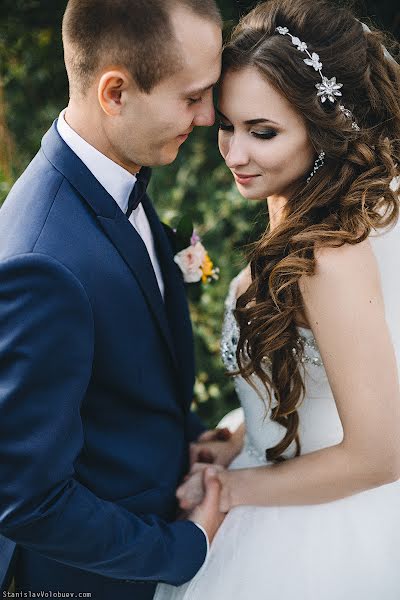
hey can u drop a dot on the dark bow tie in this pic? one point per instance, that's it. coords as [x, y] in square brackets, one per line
[139, 190]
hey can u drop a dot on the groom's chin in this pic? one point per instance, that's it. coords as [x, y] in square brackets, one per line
[168, 155]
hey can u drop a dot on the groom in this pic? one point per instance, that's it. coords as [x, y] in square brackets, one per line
[96, 363]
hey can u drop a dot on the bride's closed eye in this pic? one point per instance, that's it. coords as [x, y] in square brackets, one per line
[265, 134]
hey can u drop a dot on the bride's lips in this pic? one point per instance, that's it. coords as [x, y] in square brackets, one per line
[244, 178]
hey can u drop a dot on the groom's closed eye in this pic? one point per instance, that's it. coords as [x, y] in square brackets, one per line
[194, 100]
[196, 96]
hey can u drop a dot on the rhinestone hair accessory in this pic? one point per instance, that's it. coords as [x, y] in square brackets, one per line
[328, 89]
[319, 162]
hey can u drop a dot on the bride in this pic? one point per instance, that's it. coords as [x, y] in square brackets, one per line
[310, 121]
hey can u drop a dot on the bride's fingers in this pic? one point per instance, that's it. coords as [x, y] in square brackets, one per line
[205, 456]
[189, 502]
[185, 505]
[223, 434]
[198, 467]
[200, 454]
[207, 436]
[192, 489]
[183, 490]
[219, 434]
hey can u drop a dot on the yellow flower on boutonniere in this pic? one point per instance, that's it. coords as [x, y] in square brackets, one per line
[208, 270]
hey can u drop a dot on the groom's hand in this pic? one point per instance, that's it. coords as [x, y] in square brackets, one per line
[207, 513]
[191, 492]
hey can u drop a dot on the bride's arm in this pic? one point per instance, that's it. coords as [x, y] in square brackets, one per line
[345, 308]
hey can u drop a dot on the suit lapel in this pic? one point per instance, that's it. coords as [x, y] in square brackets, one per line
[133, 250]
[175, 301]
[115, 225]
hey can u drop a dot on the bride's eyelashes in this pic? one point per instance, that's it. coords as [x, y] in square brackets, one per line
[225, 127]
[268, 134]
[265, 134]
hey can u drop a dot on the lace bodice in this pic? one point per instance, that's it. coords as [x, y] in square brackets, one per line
[230, 336]
[320, 425]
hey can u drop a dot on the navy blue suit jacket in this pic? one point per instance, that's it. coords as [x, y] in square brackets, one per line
[96, 380]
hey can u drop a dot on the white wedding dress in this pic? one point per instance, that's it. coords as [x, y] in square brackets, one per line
[348, 549]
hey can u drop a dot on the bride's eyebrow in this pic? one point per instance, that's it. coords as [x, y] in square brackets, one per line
[251, 121]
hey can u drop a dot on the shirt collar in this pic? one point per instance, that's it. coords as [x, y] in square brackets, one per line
[116, 180]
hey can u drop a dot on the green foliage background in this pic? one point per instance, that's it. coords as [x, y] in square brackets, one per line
[33, 90]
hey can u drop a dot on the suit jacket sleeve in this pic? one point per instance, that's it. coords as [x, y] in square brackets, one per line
[195, 426]
[46, 353]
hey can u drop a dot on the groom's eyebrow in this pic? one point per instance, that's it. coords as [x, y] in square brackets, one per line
[197, 91]
[251, 121]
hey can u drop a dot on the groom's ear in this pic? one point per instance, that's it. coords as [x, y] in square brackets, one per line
[110, 90]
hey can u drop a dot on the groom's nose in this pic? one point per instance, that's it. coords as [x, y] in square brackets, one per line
[205, 113]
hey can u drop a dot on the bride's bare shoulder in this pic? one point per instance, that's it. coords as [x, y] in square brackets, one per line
[346, 278]
[343, 264]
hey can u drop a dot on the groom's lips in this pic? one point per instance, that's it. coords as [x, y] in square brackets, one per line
[184, 136]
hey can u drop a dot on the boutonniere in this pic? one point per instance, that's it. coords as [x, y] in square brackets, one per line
[191, 256]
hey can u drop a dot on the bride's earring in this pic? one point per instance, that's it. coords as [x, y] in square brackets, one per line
[319, 162]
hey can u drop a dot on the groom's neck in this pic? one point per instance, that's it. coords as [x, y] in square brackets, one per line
[86, 124]
[86, 121]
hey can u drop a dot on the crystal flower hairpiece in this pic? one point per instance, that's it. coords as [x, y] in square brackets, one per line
[328, 89]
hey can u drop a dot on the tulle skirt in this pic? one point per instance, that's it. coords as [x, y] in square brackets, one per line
[348, 549]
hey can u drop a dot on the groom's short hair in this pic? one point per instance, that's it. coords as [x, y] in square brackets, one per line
[136, 34]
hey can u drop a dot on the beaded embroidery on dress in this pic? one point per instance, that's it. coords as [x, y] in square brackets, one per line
[342, 550]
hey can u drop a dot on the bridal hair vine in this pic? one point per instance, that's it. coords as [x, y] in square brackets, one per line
[328, 89]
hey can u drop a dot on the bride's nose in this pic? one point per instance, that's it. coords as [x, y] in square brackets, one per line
[236, 154]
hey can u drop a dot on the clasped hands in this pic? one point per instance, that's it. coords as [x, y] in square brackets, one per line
[204, 495]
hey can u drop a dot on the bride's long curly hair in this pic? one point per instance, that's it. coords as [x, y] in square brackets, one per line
[346, 199]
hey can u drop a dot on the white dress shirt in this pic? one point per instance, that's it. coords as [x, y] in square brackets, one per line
[117, 181]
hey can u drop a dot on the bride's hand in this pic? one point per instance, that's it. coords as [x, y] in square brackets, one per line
[218, 446]
[241, 487]
[191, 492]
[207, 514]
[226, 480]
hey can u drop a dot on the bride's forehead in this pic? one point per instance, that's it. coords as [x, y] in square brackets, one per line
[246, 94]
[248, 84]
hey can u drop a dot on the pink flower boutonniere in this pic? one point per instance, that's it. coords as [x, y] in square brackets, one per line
[191, 256]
